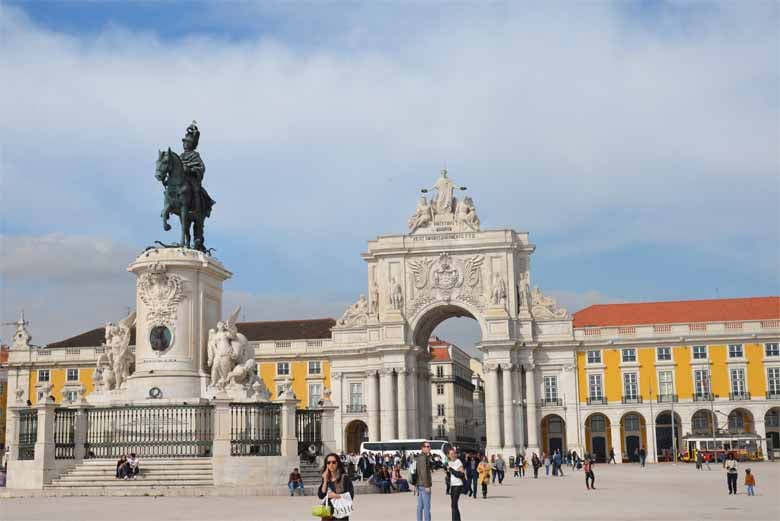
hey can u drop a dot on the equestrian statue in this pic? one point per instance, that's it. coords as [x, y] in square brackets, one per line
[182, 178]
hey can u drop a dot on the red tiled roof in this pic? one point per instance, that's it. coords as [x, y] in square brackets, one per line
[676, 312]
[440, 354]
[254, 331]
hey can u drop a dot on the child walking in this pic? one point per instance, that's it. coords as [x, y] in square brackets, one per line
[750, 482]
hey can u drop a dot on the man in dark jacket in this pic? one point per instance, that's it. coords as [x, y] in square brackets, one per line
[424, 482]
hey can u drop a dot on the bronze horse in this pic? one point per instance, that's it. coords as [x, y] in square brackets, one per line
[179, 199]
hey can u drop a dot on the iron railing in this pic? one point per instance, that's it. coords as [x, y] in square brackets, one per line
[255, 429]
[551, 402]
[632, 399]
[704, 397]
[153, 431]
[64, 433]
[308, 429]
[597, 400]
[664, 398]
[354, 408]
[28, 433]
[739, 396]
[773, 395]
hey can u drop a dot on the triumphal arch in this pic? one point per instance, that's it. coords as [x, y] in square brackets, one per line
[445, 266]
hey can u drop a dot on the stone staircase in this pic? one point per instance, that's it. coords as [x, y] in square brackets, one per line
[155, 473]
[311, 474]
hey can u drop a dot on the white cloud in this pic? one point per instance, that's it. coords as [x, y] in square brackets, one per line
[573, 122]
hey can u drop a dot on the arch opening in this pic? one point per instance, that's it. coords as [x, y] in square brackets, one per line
[598, 436]
[667, 438]
[633, 431]
[355, 433]
[772, 424]
[553, 434]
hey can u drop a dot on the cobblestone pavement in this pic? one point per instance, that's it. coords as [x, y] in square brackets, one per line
[624, 492]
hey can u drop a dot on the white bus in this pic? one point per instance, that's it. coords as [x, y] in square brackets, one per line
[439, 448]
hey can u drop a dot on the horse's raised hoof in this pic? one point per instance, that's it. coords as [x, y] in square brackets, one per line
[167, 227]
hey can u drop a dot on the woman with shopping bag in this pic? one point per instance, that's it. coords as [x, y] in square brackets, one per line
[335, 491]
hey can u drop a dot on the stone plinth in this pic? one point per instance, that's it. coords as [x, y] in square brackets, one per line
[178, 299]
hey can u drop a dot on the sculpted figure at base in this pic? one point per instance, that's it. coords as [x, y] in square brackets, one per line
[113, 366]
[467, 214]
[397, 295]
[356, 314]
[422, 216]
[231, 358]
[498, 291]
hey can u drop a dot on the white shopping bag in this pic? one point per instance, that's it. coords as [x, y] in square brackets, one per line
[342, 507]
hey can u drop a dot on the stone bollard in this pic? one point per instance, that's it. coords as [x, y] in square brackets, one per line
[221, 445]
[328, 429]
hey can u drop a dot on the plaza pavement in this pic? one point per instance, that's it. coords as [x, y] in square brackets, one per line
[624, 493]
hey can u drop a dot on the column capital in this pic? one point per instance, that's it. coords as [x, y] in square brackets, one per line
[386, 371]
[336, 375]
[491, 367]
[507, 366]
[370, 373]
[402, 371]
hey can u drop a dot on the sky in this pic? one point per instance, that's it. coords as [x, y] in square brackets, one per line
[637, 143]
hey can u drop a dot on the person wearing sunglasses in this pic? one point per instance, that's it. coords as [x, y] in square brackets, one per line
[335, 481]
[423, 482]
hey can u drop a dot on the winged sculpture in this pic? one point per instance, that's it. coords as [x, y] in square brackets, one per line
[230, 357]
[115, 364]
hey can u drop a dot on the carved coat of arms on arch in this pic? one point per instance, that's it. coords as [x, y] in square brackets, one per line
[446, 278]
[160, 292]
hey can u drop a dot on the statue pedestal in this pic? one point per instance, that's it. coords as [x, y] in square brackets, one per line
[178, 299]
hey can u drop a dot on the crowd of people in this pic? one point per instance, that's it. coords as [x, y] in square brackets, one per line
[465, 473]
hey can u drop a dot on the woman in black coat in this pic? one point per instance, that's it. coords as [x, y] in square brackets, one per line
[335, 481]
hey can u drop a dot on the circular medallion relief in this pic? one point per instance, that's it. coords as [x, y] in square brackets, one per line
[155, 392]
[160, 338]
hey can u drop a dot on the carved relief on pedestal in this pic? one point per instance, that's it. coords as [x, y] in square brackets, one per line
[446, 278]
[544, 307]
[161, 293]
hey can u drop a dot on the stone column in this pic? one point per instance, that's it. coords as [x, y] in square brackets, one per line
[411, 399]
[427, 403]
[509, 410]
[80, 432]
[328, 429]
[760, 428]
[617, 441]
[492, 410]
[651, 452]
[403, 405]
[337, 396]
[372, 407]
[517, 401]
[530, 409]
[289, 403]
[387, 404]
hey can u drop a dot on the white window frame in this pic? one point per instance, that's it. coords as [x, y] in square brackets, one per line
[674, 386]
[636, 393]
[312, 402]
[597, 357]
[71, 396]
[770, 380]
[318, 365]
[706, 390]
[352, 395]
[741, 352]
[776, 350]
[42, 372]
[664, 349]
[693, 353]
[553, 380]
[439, 371]
[279, 366]
[67, 375]
[441, 410]
[600, 379]
[743, 379]
[628, 350]
[439, 389]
